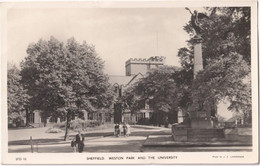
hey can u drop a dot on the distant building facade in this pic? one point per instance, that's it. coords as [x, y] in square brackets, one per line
[134, 66]
[134, 70]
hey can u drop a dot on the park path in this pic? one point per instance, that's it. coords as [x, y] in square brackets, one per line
[95, 141]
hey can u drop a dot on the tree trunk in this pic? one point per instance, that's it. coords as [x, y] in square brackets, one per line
[45, 122]
[67, 128]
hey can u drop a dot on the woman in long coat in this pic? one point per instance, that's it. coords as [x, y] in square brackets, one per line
[80, 141]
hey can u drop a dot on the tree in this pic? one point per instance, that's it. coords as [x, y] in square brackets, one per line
[226, 60]
[65, 78]
[17, 97]
[158, 89]
[225, 79]
[227, 30]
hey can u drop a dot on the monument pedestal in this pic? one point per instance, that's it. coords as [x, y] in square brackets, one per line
[201, 120]
[201, 124]
[183, 133]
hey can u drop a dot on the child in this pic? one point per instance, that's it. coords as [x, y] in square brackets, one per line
[73, 145]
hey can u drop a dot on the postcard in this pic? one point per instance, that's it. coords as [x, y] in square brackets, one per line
[129, 82]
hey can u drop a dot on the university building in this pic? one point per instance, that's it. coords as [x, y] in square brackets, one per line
[134, 70]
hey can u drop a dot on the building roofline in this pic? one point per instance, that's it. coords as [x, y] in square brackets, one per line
[134, 78]
[151, 60]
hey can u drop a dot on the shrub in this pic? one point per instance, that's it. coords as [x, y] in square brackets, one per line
[61, 125]
[92, 123]
[77, 124]
[80, 124]
[54, 130]
[16, 121]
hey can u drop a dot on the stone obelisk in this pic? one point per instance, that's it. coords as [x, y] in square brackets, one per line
[198, 63]
[199, 118]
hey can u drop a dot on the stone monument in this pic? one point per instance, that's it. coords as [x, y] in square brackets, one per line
[200, 118]
[198, 63]
[199, 126]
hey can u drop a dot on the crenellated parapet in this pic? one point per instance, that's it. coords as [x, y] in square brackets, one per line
[151, 60]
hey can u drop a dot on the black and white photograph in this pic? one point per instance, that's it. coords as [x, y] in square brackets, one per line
[129, 83]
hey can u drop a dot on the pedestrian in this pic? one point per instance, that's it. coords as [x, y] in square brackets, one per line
[125, 129]
[74, 145]
[116, 133]
[80, 141]
[128, 130]
[187, 119]
[120, 129]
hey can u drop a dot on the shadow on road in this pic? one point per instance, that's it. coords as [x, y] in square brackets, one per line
[100, 134]
[38, 141]
[147, 127]
[147, 133]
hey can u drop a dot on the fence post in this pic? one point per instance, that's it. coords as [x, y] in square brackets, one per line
[31, 144]
[37, 146]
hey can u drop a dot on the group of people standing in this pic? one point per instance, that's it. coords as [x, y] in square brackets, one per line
[122, 129]
[78, 143]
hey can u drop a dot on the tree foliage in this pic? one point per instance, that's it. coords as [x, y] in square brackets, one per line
[226, 59]
[158, 89]
[225, 79]
[65, 77]
[17, 97]
[228, 30]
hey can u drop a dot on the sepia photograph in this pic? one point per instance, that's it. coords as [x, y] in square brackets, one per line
[129, 83]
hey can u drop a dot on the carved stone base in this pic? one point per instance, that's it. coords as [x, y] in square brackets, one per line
[201, 123]
[182, 133]
[179, 132]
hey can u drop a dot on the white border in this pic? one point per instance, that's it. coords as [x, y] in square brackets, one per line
[182, 157]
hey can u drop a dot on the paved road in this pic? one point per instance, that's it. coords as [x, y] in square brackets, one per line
[96, 141]
[99, 141]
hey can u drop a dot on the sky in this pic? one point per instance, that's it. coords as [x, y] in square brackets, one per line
[118, 33]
